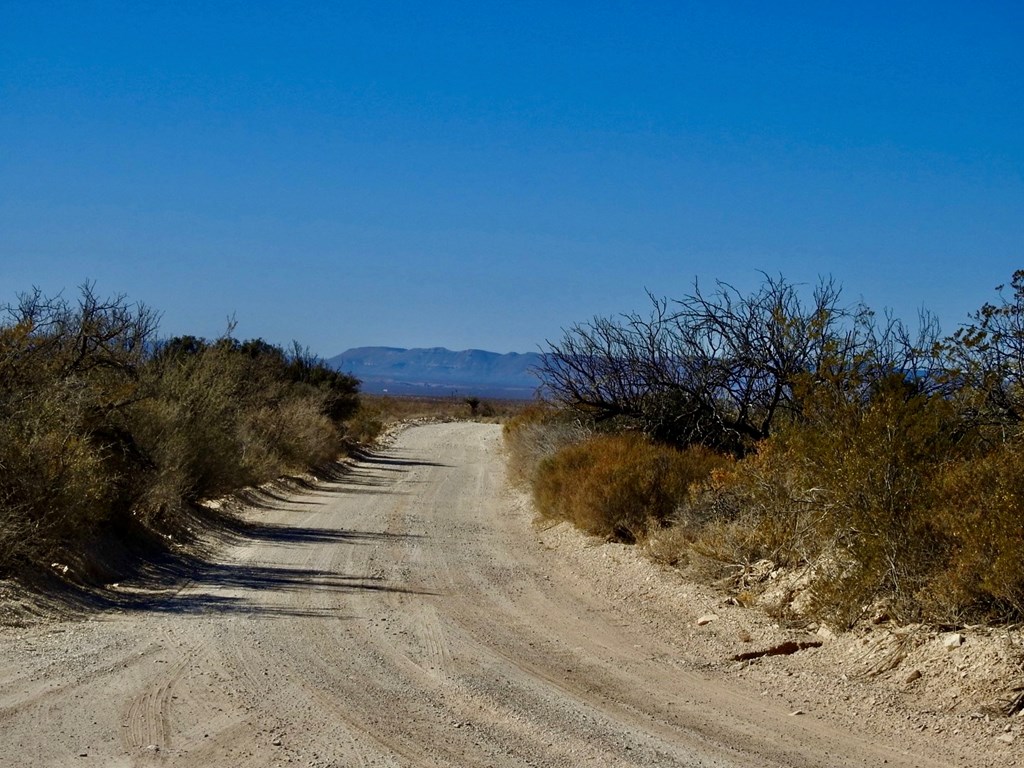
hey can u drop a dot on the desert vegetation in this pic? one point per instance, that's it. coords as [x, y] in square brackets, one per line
[108, 432]
[746, 435]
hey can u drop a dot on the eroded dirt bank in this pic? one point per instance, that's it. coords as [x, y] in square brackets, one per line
[410, 615]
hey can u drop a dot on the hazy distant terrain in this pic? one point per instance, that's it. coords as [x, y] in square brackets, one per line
[440, 371]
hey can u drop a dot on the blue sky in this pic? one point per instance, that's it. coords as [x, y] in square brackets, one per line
[484, 174]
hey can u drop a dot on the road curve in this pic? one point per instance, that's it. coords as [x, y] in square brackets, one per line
[405, 615]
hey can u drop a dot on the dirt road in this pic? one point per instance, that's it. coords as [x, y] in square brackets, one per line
[405, 616]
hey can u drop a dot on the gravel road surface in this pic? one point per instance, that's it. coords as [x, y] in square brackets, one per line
[406, 615]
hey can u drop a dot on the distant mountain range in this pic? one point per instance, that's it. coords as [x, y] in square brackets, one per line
[441, 372]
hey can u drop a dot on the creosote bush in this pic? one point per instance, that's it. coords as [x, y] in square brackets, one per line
[848, 489]
[69, 376]
[227, 414]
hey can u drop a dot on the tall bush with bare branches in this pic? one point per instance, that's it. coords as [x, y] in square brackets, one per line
[719, 368]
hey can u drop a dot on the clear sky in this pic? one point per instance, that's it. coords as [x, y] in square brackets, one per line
[484, 174]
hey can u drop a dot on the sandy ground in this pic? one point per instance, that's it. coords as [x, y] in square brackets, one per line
[413, 615]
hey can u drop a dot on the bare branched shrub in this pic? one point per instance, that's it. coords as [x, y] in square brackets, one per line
[887, 462]
[986, 358]
[712, 368]
[720, 369]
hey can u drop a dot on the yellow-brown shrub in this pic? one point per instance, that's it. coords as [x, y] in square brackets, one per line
[979, 513]
[536, 433]
[620, 486]
[109, 436]
[847, 488]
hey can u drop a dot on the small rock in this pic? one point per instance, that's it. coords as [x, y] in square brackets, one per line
[825, 633]
[276, 741]
[796, 712]
[706, 619]
[915, 675]
[1006, 738]
[952, 640]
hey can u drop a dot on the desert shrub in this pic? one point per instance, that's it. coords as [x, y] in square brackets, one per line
[365, 426]
[874, 463]
[229, 414]
[536, 433]
[721, 368]
[847, 488]
[68, 377]
[308, 436]
[986, 359]
[338, 392]
[107, 434]
[192, 425]
[761, 507]
[619, 486]
[890, 465]
[979, 513]
[55, 484]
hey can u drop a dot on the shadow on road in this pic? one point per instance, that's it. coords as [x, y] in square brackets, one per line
[376, 459]
[297, 534]
[153, 575]
[258, 584]
[196, 583]
[365, 476]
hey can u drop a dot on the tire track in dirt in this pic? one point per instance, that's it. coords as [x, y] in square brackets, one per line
[147, 717]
